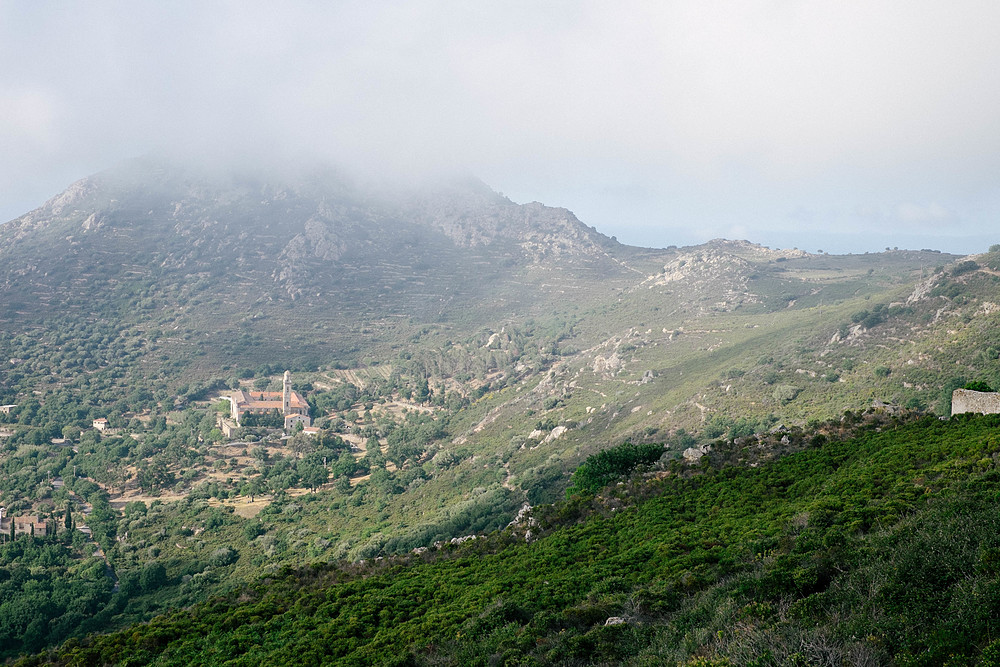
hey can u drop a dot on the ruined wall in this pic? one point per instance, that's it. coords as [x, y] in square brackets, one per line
[966, 400]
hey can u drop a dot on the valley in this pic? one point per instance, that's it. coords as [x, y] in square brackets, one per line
[462, 356]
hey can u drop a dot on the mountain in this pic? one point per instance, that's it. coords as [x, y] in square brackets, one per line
[149, 236]
[463, 355]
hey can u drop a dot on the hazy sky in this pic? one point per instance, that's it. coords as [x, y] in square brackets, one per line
[846, 126]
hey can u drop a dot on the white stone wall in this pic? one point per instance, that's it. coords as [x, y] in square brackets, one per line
[966, 400]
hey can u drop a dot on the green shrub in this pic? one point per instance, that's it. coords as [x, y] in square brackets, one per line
[153, 576]
[223, 556]
[964, 267]
[978, 385]
[600, 469]
[785, 393]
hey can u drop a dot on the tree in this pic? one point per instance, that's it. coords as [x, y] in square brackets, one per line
[315, 476]
[423, 391]
[118, 474]
[154, 475]
[153, 576]
[255, 487]
[223, 556]
[301, 443]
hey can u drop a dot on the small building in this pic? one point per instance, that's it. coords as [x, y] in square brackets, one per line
[311, 430]
[228, 428]
[30, 525]
[5, 409]
[101, 424]
[292, 420]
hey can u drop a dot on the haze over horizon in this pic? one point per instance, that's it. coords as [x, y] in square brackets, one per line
[846, 128]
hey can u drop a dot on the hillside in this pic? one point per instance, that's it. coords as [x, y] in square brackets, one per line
[872, 542]
[298, 272]
[461, 354]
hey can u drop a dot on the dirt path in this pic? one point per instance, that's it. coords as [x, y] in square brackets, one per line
[506, 480]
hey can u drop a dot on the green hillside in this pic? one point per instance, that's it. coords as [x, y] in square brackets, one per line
[874, 541]
[462, 355]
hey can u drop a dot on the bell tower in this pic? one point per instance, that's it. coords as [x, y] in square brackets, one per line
[286, 394]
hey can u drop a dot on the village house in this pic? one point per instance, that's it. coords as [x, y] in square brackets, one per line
[101, 424]
[292, 420]
[26, 525]
[5, 409]
[228, 428]
[289, 403]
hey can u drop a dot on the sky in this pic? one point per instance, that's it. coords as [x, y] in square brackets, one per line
[840, 126]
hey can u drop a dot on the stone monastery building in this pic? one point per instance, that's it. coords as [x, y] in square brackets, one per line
[288, 402]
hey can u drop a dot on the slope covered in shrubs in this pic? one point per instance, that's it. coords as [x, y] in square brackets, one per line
[879, 548]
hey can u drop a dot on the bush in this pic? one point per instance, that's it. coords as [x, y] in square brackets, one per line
[546, 424]
[153, 576]
[964, 267]
[252, 530]
[873, 320]
[948, 290]
[978, 385]
[223, 556]
[600, 469]
[785, 393]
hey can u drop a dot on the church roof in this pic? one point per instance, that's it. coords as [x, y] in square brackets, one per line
[265, 400]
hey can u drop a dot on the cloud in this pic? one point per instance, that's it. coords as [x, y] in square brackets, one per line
[928, 214]
[33, 113]
[720, 114]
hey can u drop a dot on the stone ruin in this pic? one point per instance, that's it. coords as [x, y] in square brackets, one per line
[983, 402]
